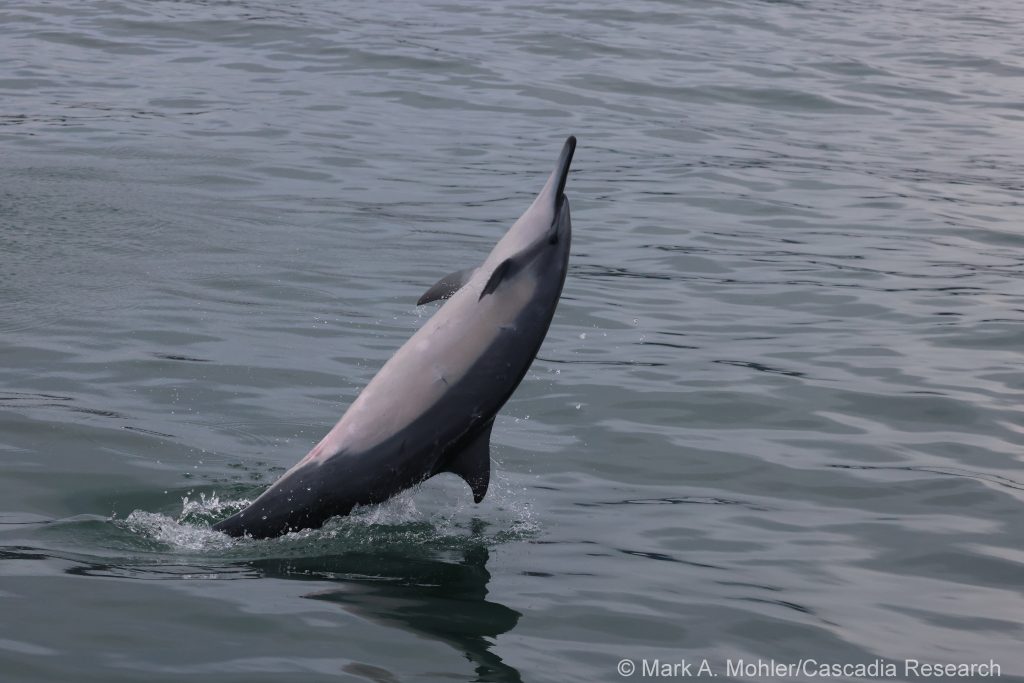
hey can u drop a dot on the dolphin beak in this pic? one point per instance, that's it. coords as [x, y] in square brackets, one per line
[553, 192]
[561, 173]
[560, 222]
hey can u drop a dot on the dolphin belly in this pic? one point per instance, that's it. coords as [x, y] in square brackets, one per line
[309, 495]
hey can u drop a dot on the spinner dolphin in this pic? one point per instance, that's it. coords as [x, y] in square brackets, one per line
[431, 407]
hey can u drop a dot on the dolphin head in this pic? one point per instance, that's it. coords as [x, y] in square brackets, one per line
[544, 218]
[553, 256]
[550, 226]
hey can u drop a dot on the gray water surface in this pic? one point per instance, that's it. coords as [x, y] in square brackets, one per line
[778, 414]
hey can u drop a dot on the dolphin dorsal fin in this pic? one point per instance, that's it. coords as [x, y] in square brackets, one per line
[446, 286]
[473, 462]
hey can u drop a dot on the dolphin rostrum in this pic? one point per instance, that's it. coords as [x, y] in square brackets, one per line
[431, 407]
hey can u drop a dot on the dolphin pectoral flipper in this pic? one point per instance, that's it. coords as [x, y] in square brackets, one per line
[446, 286]
[504, 270]
[511, 266]
[473, 463]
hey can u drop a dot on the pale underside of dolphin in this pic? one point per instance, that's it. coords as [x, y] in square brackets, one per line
[430, 408]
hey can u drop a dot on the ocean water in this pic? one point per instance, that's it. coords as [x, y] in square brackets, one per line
[778, 418]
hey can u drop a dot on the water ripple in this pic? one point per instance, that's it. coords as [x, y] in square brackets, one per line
[781, 398]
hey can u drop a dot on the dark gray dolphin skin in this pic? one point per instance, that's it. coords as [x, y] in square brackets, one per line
[431, 407]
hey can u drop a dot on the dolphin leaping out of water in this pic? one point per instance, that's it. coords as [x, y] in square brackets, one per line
[431, 407]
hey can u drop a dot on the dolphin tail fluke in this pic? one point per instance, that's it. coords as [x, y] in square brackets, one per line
[473, 462]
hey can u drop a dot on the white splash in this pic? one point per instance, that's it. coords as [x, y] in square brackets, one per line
[164, 529]
[190, 531]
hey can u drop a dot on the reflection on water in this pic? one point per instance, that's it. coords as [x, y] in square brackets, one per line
[413, 576]
[443, 599]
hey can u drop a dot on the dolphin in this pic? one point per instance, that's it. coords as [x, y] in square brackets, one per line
[431, 407]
